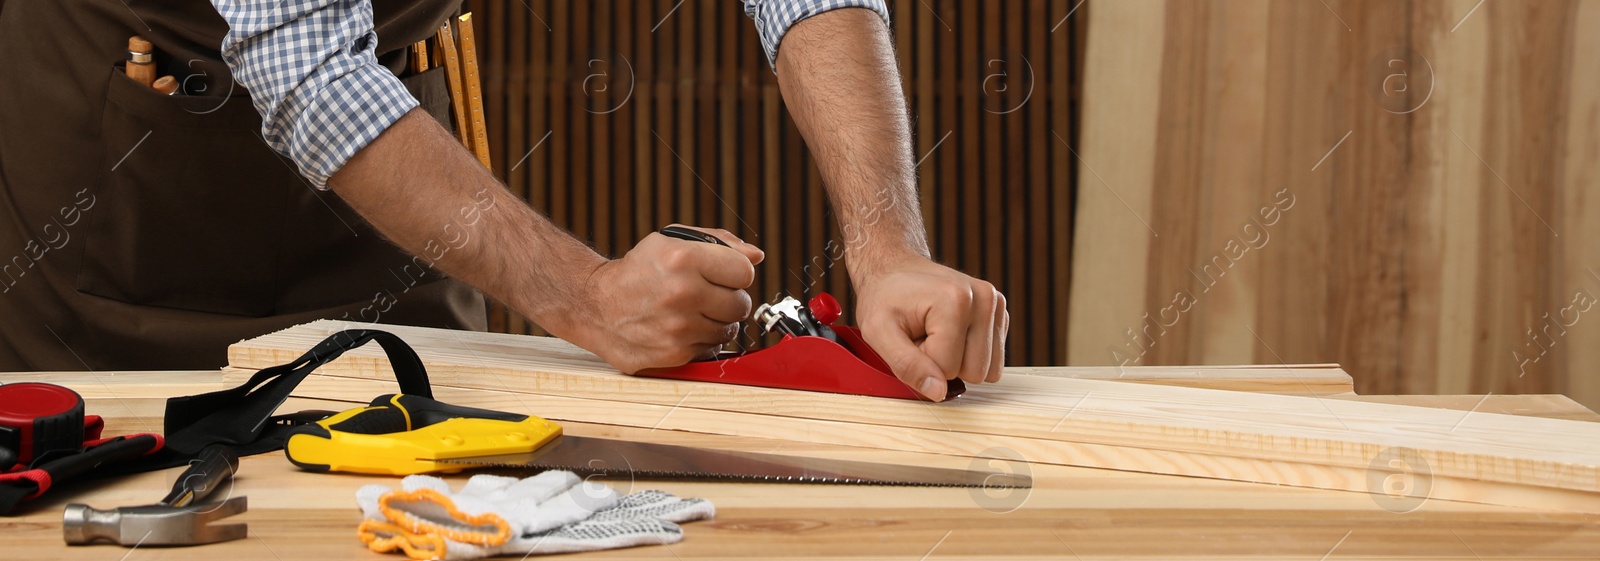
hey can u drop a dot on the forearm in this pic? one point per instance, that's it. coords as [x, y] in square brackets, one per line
[838, 76]
[426, 194]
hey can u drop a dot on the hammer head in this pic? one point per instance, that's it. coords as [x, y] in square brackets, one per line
[153, 524]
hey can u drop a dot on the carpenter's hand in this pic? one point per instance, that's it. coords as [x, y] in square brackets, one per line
[668, 301]
[931, 323]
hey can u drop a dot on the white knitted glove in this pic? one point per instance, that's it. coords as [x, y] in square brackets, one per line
[553, 512]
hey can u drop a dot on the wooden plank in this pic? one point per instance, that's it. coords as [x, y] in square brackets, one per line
[1116, 167]
[1580, 213]
[1550, 406]
[1037, 452]
[1114, 418]
[1436, 150]
[296, 514]
[1295, 142]
[302, 515]
[1285, 380]
[111, 386]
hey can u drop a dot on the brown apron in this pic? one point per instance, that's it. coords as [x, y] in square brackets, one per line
[141, 231]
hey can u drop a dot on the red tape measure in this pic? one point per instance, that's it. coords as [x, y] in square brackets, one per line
[36, 418]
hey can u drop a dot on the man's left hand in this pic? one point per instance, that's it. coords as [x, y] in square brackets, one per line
[931, 323]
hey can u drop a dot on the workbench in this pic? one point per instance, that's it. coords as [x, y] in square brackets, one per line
[1071, 513]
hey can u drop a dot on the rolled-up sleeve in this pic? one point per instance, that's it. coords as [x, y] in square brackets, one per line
[311, 72]
[773, 18]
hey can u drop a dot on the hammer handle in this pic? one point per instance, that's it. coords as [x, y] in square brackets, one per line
[216, 463]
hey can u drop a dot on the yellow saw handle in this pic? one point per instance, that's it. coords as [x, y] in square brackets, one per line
[400, 434]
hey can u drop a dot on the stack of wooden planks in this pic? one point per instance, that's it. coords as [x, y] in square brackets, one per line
[1433, 153]
[1319, 437]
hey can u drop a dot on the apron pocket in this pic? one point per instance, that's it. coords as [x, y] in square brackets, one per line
[194, 204]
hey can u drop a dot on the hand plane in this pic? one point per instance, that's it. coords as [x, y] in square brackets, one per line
[813, 355]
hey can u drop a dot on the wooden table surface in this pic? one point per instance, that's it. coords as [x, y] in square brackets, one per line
[1071, 513]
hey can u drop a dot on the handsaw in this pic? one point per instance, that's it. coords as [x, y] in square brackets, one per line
[399, 434]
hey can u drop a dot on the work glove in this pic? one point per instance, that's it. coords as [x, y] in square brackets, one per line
[553, 512]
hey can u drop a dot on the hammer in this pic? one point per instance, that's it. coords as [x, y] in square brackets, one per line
[176, 520]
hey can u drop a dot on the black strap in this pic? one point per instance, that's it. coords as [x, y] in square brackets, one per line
[238, 416]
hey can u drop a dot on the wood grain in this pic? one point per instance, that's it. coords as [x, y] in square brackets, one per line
[1006, 453]
[1310, 379]
[1444, 237]
[1088, 513]
[1339, 437]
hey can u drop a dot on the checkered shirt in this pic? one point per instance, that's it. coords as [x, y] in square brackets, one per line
[312, 74]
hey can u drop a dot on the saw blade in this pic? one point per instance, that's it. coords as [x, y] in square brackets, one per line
[645, 460]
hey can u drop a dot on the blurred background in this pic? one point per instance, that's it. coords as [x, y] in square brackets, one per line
[1405, 187]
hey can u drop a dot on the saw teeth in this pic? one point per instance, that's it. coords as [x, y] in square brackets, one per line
[645, 474]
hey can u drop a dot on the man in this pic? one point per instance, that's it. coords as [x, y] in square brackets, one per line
[187, 246]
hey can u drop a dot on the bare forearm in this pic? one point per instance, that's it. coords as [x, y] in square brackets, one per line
[426, 194]
[931, 323]
[838, 77]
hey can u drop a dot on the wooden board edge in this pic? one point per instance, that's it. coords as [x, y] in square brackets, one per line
[1399, 488]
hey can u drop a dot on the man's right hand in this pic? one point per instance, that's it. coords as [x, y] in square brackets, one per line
[668, 301]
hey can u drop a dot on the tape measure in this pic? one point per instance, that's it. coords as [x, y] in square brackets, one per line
[36, 418]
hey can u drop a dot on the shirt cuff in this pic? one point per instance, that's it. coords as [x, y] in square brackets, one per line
[347, 115]
[774, 18]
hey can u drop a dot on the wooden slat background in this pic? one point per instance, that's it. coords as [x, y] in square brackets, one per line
[1424, 253]
[619, 117]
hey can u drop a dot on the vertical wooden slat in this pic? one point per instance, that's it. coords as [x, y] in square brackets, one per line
[725, 75]
[1061, 79]
[771, 183]
[970, 136]
[947, 99]
[583, 130]
[752, 114]
[561, 182]
[644, 142]
[512, 135]
[618, 151]
[599, 212]
[710, 184]
[1034, 200]
[666, 32]
[683, 143]
[918, 23]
